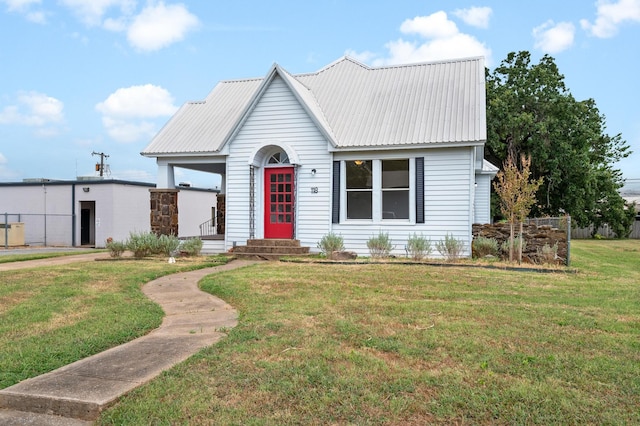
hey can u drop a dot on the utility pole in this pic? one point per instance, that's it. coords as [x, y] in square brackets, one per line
[100, 167]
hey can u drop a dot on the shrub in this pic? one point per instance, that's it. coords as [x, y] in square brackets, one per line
[450, 248]
[547, 253]
[380, 246]
[418, 247]
[191, 246]
[483, 246]
[167, 245]
[516, 245]
[330, 243]
[142, 244]
[116, 248]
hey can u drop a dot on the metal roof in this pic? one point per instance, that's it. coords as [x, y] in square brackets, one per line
[355, 106]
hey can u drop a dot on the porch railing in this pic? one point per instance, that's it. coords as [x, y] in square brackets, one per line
[208, 228]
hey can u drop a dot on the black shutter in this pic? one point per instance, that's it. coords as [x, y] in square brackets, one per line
[420, 190]
[335, 193]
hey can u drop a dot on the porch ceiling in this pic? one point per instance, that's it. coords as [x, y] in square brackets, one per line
[219, 168]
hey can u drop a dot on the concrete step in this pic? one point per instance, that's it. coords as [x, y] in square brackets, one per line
[270, 249]
[22, 418]
[273, 243]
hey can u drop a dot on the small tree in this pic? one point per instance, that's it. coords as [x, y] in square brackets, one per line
[517, 195]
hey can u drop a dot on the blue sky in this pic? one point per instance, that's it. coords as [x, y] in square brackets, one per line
[83, 76]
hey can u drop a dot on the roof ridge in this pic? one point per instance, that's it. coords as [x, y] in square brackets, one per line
[343, 58]
[438, 62]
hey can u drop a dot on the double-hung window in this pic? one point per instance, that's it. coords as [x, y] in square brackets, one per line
[395, 189]
[377, 189]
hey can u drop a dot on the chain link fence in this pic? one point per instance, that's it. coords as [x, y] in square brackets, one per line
[582, 233]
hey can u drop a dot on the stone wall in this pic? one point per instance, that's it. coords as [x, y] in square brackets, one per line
[535, 236]
[164, 211]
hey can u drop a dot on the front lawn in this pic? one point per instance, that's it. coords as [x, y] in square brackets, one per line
[52, 316]
[414, 344]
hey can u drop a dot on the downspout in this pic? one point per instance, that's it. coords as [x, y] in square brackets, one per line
[73, 215]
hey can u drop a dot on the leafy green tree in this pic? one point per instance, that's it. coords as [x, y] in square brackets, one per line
[517, 194]
[530, 111]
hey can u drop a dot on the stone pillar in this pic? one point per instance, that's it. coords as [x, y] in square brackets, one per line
[220, 214]
[164, 211]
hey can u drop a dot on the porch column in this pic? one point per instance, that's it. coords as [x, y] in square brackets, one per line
[164, 211]
[166, 177]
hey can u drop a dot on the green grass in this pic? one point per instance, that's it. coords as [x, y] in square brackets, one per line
[360, 344]
[34, 256]
[414, 344]
[50, 317]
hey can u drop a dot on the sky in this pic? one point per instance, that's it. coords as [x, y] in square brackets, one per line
[81, 77]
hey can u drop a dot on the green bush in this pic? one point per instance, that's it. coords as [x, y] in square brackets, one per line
[517, 241]
[142, 244]
[483, 246]
[330, 243]
[167, 245]
[418, 247]
[380, 246]
[450, 248]
[116, 248]
[191, 246]
[548, 254]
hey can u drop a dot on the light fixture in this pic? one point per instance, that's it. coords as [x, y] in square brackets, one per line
[86, 189]
[359, 162]
[313, 172]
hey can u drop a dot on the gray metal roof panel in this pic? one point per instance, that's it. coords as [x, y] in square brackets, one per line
[354, 105]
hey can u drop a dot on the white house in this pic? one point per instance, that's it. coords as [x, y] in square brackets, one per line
[86, 212]
[348, 149]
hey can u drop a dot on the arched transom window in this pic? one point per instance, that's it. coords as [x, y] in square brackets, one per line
[280, 157]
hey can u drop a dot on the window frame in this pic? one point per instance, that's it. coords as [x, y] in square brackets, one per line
[377, 190]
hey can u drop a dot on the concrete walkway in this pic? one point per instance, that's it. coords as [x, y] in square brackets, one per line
[77, 393]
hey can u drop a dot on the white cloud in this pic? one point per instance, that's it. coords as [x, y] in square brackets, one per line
[33, 109]
[610, 16]
[26, 7]
[159, 25]
[554, 38]
[127, 131]
[91, 12]
[138, 101]
[20, 5]
[436, 25]
[126, 112]
[475, 16]
[439, 39]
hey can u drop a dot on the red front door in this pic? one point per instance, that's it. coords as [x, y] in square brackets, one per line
[278, 206]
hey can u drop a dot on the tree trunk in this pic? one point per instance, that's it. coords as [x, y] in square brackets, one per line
[520, 244]
[511, 241]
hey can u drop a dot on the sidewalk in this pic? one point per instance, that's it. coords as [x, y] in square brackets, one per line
[77, 393]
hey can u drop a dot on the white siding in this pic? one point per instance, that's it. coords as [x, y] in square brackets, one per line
[194, 208]
[482, 205]
[447, 205]
[278, 119]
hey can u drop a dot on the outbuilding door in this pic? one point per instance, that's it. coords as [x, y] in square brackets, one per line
[279, 202]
